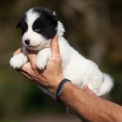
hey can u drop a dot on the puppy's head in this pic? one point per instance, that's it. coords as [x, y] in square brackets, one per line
[39, 26]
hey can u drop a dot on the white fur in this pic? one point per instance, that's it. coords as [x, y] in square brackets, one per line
[77, 68]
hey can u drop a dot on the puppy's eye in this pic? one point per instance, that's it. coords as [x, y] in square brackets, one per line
[37, 29]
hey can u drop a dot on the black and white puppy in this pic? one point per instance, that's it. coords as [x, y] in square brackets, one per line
[39, 26]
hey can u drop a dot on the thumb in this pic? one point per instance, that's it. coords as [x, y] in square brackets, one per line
[55, 47]
[17, 51]
[32, 57]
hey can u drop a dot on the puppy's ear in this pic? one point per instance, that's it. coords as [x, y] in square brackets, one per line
[18, 24]
[21, 20]
[54, 16]
[54, 13]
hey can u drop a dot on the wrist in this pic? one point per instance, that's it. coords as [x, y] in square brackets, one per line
[60, 89]
[55, 84]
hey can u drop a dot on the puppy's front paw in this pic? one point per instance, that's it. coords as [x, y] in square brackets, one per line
[41, 63]
[18, 61]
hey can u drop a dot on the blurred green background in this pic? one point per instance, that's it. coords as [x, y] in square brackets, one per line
[93, 27]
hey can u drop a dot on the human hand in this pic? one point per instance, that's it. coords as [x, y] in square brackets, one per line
[51, 76]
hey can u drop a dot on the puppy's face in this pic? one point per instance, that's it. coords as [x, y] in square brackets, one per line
[38, 27]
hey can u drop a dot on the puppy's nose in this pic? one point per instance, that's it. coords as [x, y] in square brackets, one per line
[27, 42]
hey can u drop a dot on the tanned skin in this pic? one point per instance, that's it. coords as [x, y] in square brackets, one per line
[84, 103]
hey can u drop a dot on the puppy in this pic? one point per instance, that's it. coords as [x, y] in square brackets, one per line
[39, 26]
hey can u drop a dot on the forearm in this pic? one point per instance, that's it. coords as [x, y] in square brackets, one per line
[88, 107]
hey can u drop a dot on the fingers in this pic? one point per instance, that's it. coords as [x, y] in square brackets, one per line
[26, 68]
[55, 47]
[25, 75]
[32, 58]
[17, 51]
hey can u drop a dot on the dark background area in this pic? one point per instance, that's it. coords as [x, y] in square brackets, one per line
[93, 27]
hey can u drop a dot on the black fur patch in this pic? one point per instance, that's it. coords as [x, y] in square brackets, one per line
[46, 23]
[22, 24]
